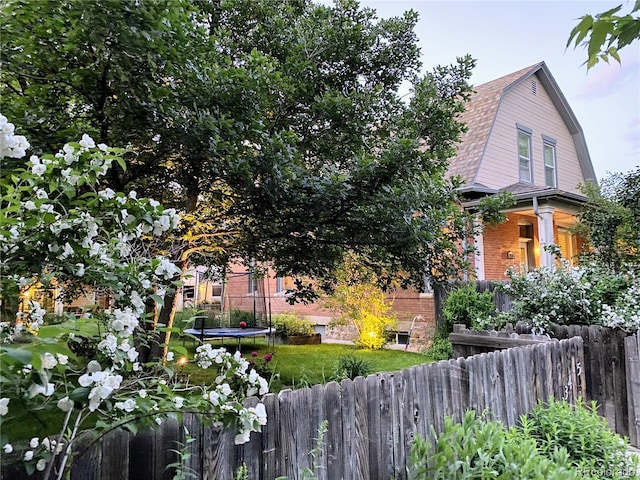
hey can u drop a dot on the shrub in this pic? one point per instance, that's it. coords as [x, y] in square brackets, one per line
[467, 306]
[440, 349]
[289, 325]
[237, 316]
[361, 303]
[349, 366]
[590, 444]
[568, 295]
[480, 449]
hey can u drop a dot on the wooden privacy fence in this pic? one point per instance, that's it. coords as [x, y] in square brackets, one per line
[632, 349]
[372, 421]
[604, 366]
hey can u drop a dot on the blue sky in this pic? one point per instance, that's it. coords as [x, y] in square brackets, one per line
[505, 36]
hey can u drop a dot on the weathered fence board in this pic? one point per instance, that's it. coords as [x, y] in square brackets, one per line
[605, 371]
[603, 366]
[632, 355]
[371, 421]
[361, 458]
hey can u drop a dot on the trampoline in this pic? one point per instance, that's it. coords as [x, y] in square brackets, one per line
[228, 332]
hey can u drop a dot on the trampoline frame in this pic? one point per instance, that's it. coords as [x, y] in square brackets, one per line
[238, 333]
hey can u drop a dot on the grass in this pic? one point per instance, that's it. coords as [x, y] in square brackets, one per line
[296, 366]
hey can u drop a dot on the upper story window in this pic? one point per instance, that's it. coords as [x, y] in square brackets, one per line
[549, 154]
[253, 286]
[524, 154]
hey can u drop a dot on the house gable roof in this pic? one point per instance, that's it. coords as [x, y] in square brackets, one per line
[481, 113]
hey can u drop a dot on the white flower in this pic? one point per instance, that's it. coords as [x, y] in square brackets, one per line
[41, 194]
[28, 455]
[48, 361]
[242, 437]
[35, 441]
[79, 269]
[179, 401]
[87, 141]
[142, 393]
[156, 138]
[39, 169]
[128, 405]
[4, 406]
[40, 466]
[106, 194]
[93, 366]
[29, 205]
[132, 355]
[102, 147]
[214, 398]
[35, 389]
[8, 448]
[67, 251]
[170, 356]
[65, 404]
[260, 413]
[85, 380]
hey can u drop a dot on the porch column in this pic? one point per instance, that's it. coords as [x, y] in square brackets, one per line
[478, 241]
[545, 234]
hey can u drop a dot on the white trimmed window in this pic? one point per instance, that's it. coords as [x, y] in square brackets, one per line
[283, 284]
[524, 154]
[549, 154]
[252, 283]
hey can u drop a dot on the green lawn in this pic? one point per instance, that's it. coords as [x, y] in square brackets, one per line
[296, 366]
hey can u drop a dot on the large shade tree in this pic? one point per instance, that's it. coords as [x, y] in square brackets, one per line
[277, 129]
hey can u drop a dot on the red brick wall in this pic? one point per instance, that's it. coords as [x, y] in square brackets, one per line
[500, 239]
[406, 304]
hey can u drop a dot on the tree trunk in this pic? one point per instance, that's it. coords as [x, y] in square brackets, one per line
[160, 341]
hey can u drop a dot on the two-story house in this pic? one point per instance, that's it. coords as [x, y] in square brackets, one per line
[522, 137]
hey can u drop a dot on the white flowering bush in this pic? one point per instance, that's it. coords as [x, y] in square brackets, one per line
[573, 295]
[59, 229]
[625, 311]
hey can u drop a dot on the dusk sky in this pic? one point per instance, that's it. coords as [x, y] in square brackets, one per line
[505, 36]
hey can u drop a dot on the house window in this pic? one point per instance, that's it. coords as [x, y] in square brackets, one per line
[252, 282]
[283, 284]
[568, 245]
[524, 154]
[549, 154]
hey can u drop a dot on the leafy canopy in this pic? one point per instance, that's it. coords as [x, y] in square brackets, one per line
[275, 128]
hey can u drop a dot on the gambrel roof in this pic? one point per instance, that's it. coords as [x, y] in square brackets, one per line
[481, 113]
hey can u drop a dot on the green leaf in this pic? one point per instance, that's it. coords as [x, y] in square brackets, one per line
[581, 30]
[157, 298]
[599, 34]
[121, 162]
[23, 356]
[180, 350]
[80, 394]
